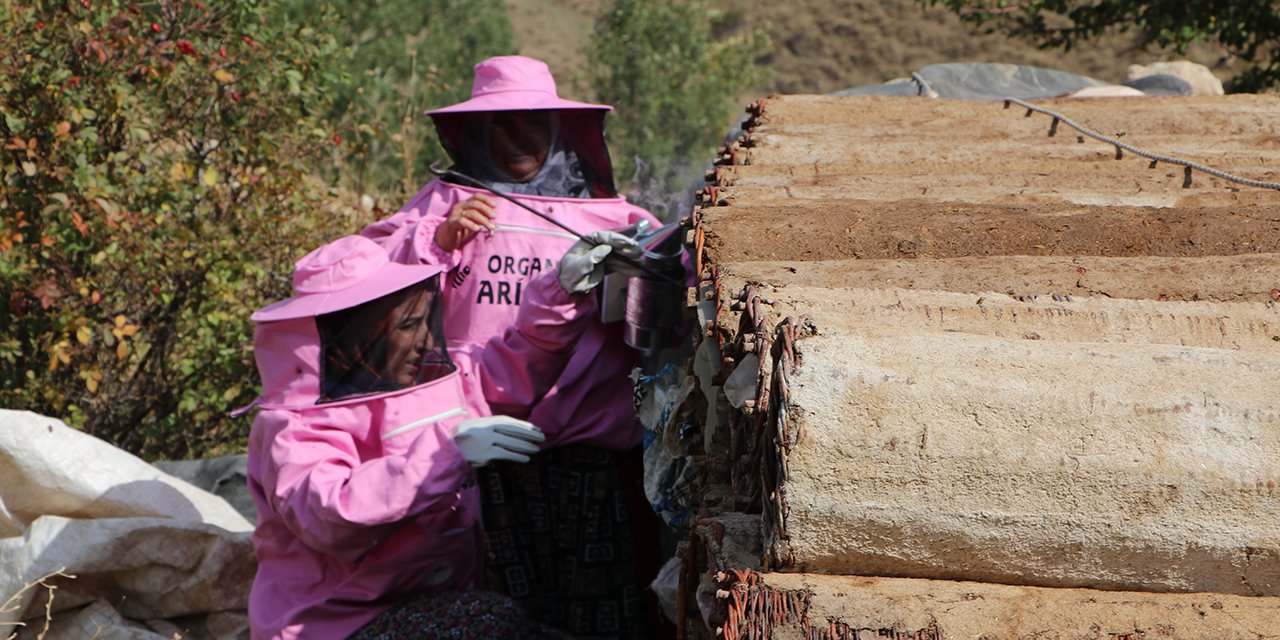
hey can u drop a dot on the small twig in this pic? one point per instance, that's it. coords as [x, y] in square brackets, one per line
[12, 604]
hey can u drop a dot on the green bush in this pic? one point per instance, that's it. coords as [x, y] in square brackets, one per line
[401, 58]
[674, 82]
[154, 194]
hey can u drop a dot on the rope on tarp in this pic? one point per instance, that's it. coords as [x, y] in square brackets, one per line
[925, 89]
[1187, 165]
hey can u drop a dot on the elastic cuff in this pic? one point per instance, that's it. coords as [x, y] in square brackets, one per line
[425, 249]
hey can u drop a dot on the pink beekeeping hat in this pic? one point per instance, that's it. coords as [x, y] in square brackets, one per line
[512, 83]
[347, 272]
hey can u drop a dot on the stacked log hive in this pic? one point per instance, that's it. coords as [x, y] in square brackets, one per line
[962, 378]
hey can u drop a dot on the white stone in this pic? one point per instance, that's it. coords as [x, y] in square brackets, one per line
[1202, 80]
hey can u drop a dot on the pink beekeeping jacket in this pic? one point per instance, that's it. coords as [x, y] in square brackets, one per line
[366, 501]
[591, 402]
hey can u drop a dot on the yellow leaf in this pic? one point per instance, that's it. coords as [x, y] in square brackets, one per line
[129, 329]
[122, 350]
[84, 27]
[91, 384]
[64, 128]
[120, 320]
[223, 77]
[84, 334]
[179, 172]
[210, 177]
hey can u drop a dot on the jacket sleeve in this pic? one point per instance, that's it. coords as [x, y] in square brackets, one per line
[517, 368]
[409, 234]
[313, 478]
[415, 243]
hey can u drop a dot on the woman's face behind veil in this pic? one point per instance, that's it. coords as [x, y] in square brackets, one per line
[518, 142]
[386, 344]
[408, 340]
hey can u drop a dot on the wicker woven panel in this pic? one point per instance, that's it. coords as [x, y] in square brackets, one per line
[816, 607]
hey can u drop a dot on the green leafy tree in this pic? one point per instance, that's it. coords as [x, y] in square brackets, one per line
[155, 191]
[400, 58]
[1248, 29]
[674, 82]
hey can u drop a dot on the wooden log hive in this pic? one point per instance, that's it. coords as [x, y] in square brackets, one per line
[939, 345]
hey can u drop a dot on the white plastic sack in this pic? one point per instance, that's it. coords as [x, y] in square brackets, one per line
[142, 543]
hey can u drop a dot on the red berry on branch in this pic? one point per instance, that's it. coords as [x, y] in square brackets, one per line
[222, 51]
[155, 27]
[337, 139]
[247, 40]
[39, 25]
[235, 96]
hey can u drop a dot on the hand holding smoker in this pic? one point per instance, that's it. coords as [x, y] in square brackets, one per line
[644, 288]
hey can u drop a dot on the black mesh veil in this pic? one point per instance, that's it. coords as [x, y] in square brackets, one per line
[386, 344]
[579, 132]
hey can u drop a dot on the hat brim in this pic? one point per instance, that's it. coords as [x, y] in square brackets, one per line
[516, 101]
[392, 277]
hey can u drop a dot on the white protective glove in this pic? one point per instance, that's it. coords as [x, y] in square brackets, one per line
[483, 440]
[582, 267]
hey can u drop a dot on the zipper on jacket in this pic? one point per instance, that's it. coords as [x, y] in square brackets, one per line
[456, 411]
[545, 232]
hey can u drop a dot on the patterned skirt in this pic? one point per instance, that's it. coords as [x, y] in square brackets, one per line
[456, 615]
[562, 540]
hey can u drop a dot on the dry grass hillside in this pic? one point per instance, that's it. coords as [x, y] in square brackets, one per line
[826, 45]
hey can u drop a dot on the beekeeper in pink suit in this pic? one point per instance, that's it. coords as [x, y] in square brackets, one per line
[565, 530]
[362, 456]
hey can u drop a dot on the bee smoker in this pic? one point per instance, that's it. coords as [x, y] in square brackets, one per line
[652, 303]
